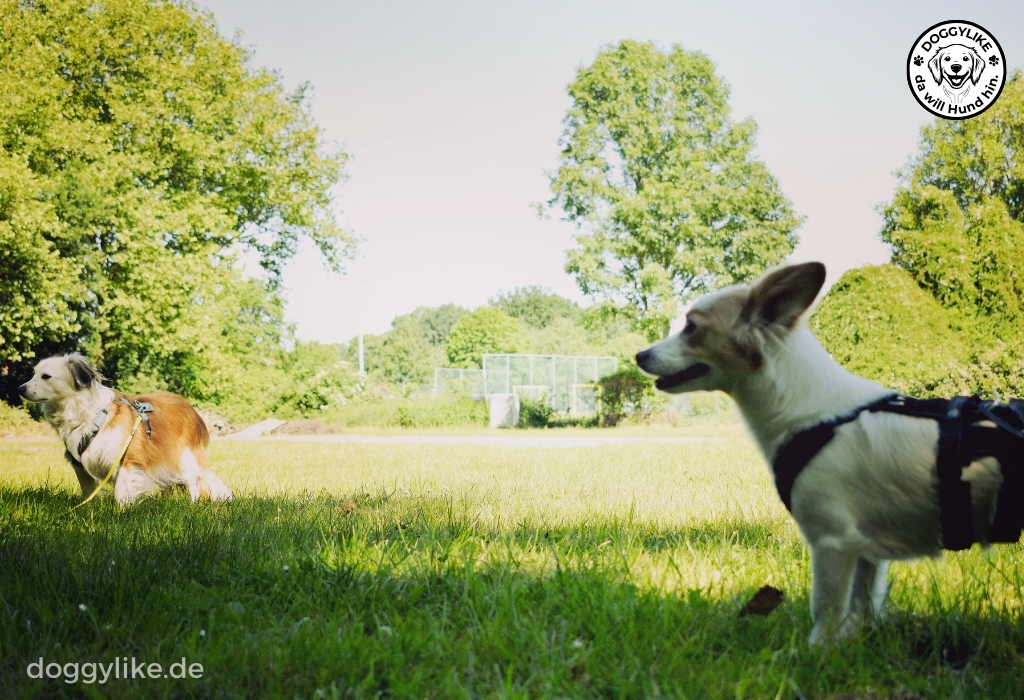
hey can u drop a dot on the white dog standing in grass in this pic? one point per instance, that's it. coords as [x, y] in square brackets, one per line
[867, 496]
[94, 422]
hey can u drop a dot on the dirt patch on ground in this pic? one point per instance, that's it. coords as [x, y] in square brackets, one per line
[216, 423]
[306, 427]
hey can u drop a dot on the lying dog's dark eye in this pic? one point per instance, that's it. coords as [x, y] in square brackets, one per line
[689, 328]
[44, 377]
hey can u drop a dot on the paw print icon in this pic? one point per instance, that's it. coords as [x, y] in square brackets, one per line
[918, 60]
[993, 60]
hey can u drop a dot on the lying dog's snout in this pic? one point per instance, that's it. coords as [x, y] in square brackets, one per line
[643, 357]
[23, 390]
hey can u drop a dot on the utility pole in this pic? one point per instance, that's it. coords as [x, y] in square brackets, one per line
[362, 365]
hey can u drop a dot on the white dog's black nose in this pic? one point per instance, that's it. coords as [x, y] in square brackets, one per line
[642, 357]
[23, 390]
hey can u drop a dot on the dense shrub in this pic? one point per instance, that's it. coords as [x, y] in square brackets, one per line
[878, 323]
[626, 393]
[17, 422]
[535, 413]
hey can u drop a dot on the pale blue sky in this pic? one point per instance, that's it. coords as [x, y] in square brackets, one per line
[452, 111]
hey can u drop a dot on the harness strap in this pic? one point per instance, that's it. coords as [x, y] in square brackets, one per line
[793, 456]
[116, 465]
[1009, 443]
[954, 493]
[86, 440]
[141, 408]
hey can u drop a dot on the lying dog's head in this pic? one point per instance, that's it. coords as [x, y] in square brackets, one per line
[57, 379]
[728, 332]
[956, 64]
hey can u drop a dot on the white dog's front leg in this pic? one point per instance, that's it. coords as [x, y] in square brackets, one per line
[870, 588]
[832, 573]
[879, 591]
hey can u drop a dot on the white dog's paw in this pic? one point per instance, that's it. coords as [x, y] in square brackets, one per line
[824, 633]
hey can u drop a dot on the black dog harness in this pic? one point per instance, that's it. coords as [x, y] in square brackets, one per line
[969, 429]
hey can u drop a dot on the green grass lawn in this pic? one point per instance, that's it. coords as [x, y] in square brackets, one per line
[353, 570]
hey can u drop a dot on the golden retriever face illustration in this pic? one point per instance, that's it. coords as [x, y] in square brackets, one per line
[956, 64]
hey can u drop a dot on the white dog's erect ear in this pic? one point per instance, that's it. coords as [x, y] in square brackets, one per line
[82, 371]
[977, 66]
[935, 68]
[783, 295]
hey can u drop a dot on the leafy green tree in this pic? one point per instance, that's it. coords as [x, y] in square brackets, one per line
[562, 336]
[139, 153]
[669, 198]
[407, 354]
[956, 222]
[319, 378]
[947, 316]
[435, 322]
[407, 357]
[536, 306]
[484, 330]
[38, 288]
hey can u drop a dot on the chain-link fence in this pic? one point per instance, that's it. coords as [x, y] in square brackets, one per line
[567, 382]
[450, 380]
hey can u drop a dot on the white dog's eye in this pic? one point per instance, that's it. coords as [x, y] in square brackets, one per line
[44, 377]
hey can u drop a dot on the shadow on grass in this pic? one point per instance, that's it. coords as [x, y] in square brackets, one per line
[377, 594]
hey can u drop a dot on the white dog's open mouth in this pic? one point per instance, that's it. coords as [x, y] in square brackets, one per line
[679, 378]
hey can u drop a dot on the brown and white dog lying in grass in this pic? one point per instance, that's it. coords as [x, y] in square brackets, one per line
[173, 453]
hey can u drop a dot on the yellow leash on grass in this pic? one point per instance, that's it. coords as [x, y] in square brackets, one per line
[117, 462]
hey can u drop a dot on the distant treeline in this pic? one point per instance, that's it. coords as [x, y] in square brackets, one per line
[527, 319]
